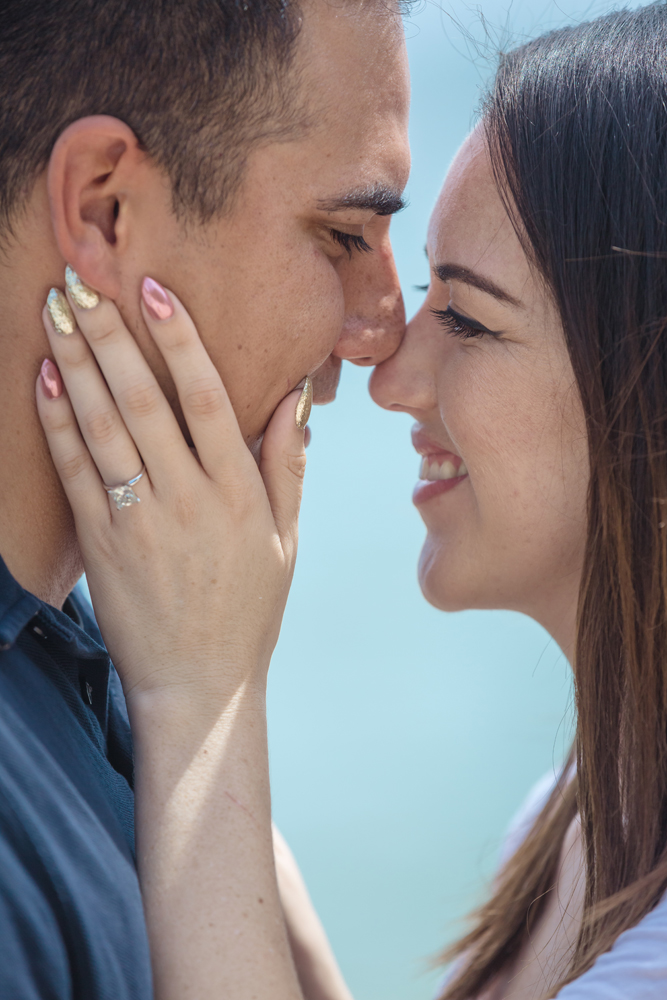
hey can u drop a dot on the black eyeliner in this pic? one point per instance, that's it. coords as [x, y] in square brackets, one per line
[466, 321]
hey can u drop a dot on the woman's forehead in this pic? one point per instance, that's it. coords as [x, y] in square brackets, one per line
[469, 194]
[470, 224]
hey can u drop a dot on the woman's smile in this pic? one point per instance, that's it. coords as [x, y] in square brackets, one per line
[440, 470]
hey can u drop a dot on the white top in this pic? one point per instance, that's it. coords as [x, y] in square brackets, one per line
[635, 968]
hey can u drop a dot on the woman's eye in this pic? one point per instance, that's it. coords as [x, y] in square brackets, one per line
[459, 325]
[349, 242]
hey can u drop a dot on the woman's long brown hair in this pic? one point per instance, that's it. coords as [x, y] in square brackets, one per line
[576, 126]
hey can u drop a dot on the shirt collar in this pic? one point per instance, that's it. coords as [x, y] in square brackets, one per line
[19, 606]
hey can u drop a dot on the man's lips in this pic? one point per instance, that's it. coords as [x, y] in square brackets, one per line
[440, 471]
[325, 381]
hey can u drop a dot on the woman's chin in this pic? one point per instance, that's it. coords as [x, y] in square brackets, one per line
[438, 581]
[447, 584]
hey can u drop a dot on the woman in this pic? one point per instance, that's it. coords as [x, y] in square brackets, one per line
[537, 372]
[546, 250]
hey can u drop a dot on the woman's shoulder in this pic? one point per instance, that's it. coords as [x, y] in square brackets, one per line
[636, 965]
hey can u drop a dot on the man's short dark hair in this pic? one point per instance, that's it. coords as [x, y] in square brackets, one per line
[198, 81]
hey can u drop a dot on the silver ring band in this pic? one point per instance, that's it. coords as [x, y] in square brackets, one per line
[123, 495]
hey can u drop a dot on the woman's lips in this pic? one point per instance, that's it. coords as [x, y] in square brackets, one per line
[440, 470]
[425, 490]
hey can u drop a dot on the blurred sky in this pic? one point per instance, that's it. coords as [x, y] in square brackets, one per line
[403, 739]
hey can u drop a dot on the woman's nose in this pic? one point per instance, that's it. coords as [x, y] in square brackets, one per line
[406, 381]
[374, 323]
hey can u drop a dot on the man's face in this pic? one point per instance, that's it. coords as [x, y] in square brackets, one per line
[274, 294]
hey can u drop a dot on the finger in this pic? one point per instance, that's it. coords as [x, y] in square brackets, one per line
[107, 438]
[283, 465]
[74, 465]
[204, 401]
[142, 405]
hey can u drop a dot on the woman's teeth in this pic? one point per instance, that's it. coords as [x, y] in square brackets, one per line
[432, 470]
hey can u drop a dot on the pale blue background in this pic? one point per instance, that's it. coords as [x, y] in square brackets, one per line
[403, 739]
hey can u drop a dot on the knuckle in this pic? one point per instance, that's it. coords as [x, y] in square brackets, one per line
[142, 400]
[102, 334]
[101, 427]
[297, 465]
[58, 422]
[175, 339]
[78, 357]
[187, 509]
[240, 497]
[204, 399]
[236, 494]
[73, 465]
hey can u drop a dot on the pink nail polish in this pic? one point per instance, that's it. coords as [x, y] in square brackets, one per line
[52, 384]
[156, 299]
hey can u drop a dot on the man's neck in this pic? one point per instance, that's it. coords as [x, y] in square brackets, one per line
[37, 536]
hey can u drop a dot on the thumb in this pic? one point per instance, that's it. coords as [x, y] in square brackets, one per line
[282, 466]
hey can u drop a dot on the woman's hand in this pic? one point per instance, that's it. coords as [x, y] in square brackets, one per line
[189, 584]
[189, 587]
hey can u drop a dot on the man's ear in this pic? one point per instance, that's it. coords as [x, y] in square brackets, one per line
[91, 175]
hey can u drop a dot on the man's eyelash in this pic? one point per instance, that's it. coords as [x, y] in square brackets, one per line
[349, 242]
[457, 325]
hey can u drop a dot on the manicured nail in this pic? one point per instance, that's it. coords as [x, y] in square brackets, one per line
[61, 315]
[156, 299]
[52, 384]
[305, 404]
[85, 297]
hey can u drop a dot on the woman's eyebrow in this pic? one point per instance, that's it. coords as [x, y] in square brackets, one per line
[456, 272]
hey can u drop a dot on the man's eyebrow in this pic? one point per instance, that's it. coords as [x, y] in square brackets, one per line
[456, 272]
[378, 198]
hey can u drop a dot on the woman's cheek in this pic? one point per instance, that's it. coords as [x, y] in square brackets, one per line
[473, 414]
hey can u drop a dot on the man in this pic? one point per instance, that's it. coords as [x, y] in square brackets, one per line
[247, 156]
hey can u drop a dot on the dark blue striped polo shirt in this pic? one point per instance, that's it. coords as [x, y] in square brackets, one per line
[71, 919]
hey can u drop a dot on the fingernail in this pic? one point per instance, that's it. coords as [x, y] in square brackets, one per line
[52, 384]
[60, 312]
[156, 299]
[85, 297]
[305, 404]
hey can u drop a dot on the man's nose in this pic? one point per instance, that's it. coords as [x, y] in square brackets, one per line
[374, 323]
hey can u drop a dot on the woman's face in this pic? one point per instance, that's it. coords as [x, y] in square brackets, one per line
[500, 431]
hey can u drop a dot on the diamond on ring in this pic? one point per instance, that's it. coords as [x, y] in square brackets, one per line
[123, 495]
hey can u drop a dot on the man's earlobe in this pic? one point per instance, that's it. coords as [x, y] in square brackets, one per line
[88, 177]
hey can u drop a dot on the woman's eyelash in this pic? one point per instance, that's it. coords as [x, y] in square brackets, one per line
[456, 324]
[349, 242]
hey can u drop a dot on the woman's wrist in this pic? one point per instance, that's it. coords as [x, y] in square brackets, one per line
[204, 847]
[204, 696]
